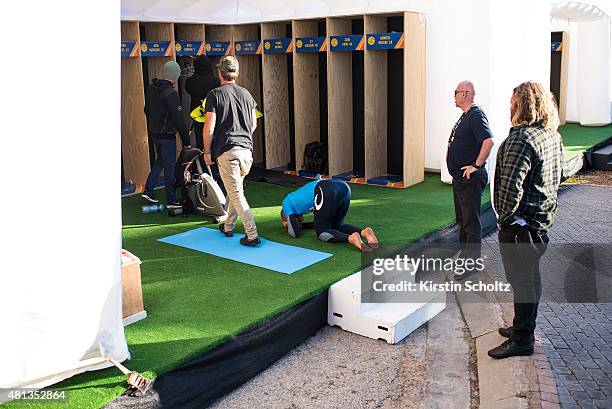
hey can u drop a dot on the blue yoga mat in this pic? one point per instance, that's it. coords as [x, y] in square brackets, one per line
[269, 254]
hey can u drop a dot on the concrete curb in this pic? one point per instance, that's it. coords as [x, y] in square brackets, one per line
[504, 383]
[514, 383]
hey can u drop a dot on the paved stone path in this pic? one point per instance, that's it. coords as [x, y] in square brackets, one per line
[576, 336]
[338, 369]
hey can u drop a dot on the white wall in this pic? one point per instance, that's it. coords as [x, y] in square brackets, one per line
[508, 43]
[60, 282]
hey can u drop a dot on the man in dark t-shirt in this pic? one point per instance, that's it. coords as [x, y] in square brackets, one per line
[198, 85]
[228, 140]
[469, 147]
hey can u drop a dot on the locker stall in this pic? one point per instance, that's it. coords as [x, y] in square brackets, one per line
[277, 42]
[134, 143]
[157, 48]
[309, 84]
[345, 110]
[219, 42]
[247, 49]
[189, 43]
[354, 82]
[559, 64]
[384, 95]
[414, 99]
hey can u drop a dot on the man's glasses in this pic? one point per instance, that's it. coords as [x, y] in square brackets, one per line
[459, 92]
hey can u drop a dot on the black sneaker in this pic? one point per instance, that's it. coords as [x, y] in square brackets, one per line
[149, 196]
[226, 233]
[174, 205]
[245, 241]
[505, 332]
[510, 348]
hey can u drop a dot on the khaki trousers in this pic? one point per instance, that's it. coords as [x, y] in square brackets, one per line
[234, 165]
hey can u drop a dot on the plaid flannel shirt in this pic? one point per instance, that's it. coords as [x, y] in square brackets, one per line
[527, 176]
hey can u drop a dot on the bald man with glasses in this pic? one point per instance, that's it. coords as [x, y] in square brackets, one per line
[469, 146]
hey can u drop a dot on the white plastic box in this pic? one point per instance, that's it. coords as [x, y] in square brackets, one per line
[391, 322]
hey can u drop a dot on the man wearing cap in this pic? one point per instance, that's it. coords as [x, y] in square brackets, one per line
[228, 140]
[164, 118]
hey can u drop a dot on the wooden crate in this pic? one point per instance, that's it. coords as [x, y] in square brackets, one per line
[133, 306]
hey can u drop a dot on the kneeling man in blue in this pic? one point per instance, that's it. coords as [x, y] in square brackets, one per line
[329, 200]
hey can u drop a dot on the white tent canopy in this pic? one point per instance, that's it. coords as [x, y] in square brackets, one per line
[579, 12]
[60, 285]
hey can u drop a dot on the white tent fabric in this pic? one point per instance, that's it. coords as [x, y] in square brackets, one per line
[594, 73]
[60, 280]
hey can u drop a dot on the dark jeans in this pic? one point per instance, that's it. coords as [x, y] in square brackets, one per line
[521, 250]
[332, 201]
[165, 159]
[198, 133]
[467, 195]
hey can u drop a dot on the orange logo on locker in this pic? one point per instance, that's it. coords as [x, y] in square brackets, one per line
[208, 47]
[144, 48]
[238, 47]
[371, 40]
[299, 43]
[267, 45]
[178, 47]
[334, 42]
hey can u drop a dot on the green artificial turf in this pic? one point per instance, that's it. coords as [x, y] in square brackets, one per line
[577, 139]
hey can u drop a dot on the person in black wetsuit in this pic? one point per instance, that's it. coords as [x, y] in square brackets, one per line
[329, 199]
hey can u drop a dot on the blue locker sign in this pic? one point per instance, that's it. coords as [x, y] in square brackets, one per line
[218, 48]
[346, 43]
[247, 47]
[189, 48]
[310, 44]
[156, 49]
[278, 46]
[129, 49]
[385, 41]
[556, 46]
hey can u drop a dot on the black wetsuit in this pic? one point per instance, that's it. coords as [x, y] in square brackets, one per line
[330, 200]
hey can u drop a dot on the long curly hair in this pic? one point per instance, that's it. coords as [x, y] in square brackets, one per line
[534, 104]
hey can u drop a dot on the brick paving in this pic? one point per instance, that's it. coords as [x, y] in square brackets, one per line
[575, 337]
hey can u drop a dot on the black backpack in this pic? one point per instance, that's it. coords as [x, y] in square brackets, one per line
[315, 158]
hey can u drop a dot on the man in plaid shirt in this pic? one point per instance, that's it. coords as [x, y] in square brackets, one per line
[527, 177]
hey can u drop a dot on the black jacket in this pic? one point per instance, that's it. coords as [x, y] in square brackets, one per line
[198, 85]
[164, 112]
